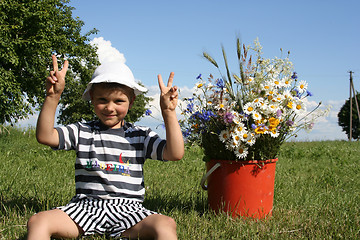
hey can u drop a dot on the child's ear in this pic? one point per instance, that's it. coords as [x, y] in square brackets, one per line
[91, 96]
[132, 102]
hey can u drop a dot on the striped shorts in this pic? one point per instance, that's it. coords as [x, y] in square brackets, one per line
[105, 216]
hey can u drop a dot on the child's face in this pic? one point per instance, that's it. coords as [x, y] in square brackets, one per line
[111, 105]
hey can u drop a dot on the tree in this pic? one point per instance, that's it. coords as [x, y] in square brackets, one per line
[30, 32]
[344, 118]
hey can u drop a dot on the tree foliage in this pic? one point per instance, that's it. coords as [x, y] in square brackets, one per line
[30, 32]
[344, 118]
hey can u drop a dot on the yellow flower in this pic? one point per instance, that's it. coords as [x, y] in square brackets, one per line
[274, 122]
[290, 105]
[260, 130]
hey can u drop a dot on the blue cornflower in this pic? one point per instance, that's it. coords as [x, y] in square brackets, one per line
[253, 126]
[190, 107]
[195, 115]
[148, 112]
[294, 76]
[186, 133]
[220, 83]
[309, 93]
[206, 115]
[198, 77]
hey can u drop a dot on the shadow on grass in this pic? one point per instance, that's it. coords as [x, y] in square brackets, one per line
[176, 202]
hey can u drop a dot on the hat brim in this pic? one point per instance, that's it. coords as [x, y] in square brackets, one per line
[138, 89]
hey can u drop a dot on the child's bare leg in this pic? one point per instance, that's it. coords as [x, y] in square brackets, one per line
[54, 223]
[153, 227]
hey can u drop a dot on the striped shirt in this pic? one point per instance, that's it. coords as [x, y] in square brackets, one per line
[109, 162]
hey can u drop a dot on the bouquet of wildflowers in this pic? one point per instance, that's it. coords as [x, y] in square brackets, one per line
[247, 116]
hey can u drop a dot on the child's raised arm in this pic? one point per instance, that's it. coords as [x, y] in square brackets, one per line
[174, 149]
[55, 84]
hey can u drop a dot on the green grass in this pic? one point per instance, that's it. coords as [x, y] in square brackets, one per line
[317, 191]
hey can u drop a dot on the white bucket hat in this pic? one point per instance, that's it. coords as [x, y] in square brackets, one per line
[113, 72]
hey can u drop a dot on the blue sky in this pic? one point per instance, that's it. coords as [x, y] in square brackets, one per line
[162, 36]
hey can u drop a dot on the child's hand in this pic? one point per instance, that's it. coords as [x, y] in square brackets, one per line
[55, 83]
[169, 94]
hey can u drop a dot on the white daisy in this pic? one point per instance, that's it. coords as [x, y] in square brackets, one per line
[272, 107]
[224, 135]
[277, 83]
[258, 102]
[299, 107]
[256, 115]
[249, 108]
[244, 136]
[286, 95]
[240, 127]
[241, 152]
[267, 87]
[286, 81]
[302, 86]
[274, 133]
[235, 140]
[250, 139]
[237, 117]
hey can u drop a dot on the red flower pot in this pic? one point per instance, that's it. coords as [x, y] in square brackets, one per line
[241, 188]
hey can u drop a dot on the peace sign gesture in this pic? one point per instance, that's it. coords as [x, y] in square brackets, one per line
[55, 83]
[169, 94]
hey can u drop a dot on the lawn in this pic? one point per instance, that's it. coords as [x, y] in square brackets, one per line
[317, 191]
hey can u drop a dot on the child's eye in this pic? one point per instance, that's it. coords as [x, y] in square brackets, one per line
[102, 100]
[119, 101]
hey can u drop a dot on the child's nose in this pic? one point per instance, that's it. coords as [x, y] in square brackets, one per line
[110, 107]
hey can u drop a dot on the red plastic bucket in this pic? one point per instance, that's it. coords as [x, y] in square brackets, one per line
[241, 188]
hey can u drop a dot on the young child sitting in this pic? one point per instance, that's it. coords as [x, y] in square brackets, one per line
[110, 154]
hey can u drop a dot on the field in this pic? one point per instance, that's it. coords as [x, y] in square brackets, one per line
[317, 191]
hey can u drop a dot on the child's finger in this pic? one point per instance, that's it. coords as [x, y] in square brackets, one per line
[55, 63]
[49, 79]
[161, 83]
[174, 92]
[53, 77]
[65, 67]
[170, 81]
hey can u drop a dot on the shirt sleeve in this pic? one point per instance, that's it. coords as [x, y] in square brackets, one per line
[68, 137]
[154, 146]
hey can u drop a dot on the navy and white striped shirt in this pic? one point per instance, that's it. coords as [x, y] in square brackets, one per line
[109, 162]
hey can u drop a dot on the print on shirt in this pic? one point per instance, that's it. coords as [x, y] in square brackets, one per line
[122, 168]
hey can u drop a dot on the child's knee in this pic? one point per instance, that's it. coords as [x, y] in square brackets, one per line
[36, 221]
[165, 224]
[170, 222]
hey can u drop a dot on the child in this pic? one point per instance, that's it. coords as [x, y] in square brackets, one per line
[110, 154]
